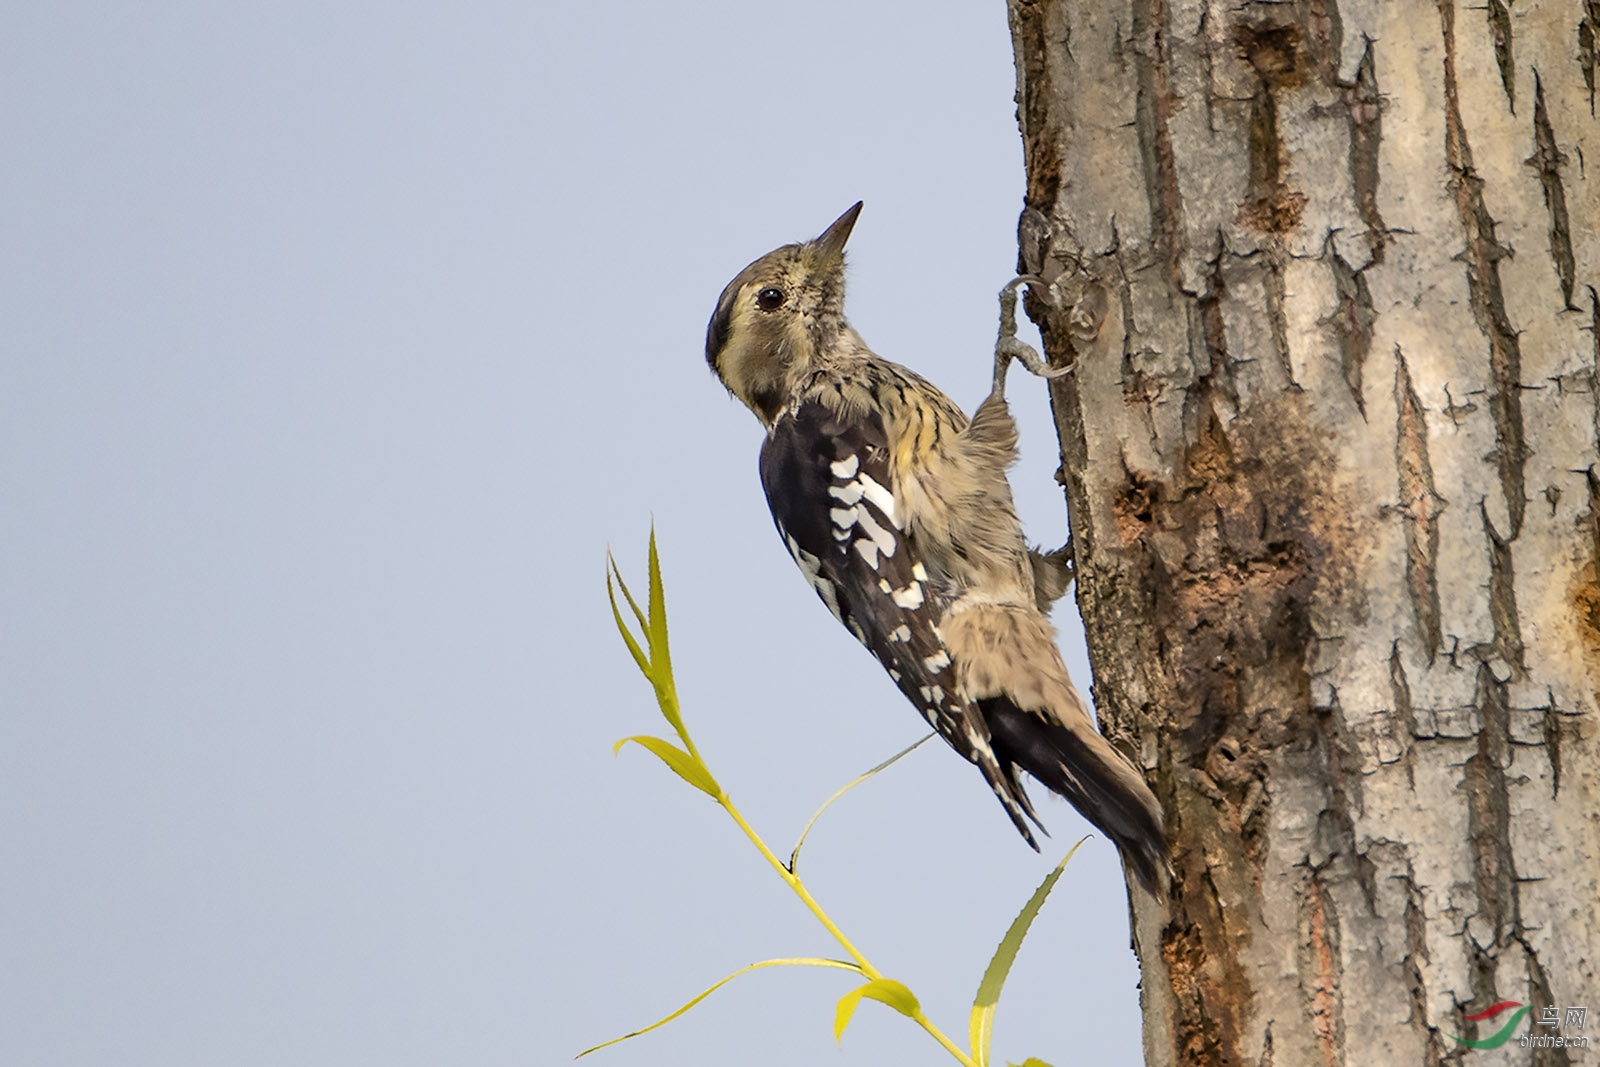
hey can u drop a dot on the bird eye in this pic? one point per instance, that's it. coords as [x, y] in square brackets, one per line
[769, 299]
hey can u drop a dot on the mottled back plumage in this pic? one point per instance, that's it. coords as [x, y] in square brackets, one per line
[897, 510]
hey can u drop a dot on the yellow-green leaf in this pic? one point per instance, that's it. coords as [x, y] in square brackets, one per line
[638, 612]
[657, 628]
[794, 857]
[661, 652]
[797, 962]
[1031, 1061]
[683, 765]
[655, 658]
[980, 1025]
[843, 1010]
[622, 627]
[895, 994]
[884, 991]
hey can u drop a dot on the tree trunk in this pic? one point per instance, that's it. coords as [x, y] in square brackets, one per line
[1329, 275]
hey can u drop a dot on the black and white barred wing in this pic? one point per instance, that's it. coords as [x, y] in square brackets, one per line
[827, 482]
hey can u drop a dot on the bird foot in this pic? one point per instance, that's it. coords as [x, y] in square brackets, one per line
[1008, 346]
[1052, 574]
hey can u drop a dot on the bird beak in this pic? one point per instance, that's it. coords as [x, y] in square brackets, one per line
[831, 243]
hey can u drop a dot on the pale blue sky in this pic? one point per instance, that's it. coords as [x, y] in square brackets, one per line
[337, 343]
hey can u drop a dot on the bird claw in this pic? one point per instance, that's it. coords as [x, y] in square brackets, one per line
[1008, 346]
[1029, 357]
[1053, 573]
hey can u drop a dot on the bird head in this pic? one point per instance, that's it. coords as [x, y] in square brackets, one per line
[777, 317]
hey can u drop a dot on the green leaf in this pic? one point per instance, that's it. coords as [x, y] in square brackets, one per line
[638, 612]
[656, 665]
[980, 1025]
[794, 857]
[622, 627]
[895, 994]
[657, 628]
[661, 653]
[796, 962]
[884, 991]
[683, 765]
[844, 1010]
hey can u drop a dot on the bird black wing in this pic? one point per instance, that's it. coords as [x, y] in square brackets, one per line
[827, 480]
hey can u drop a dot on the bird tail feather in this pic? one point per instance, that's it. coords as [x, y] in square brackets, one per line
[1009, 666]
[1081, 766]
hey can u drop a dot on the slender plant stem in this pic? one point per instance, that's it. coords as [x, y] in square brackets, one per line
[868, 971]
[938, 1035]
[657, 667]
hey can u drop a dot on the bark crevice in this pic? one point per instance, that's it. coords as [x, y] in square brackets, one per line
[1540, 997]
[1483, 255]
[1364, 108]
[1489, 826]
[1420, 507]
[1154, 104]
[1547, 159]
[1273, 52]
[1499, 16]
[1417, 958]
[1400, 692]
[1041, 153]
[1588, 36]
[1503, 598]
[1351, 323]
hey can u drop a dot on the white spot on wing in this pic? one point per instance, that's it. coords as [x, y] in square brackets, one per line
[846, 467]
[880, 497]
[869, 551]
[936, 662]
[980, 743]
[894, 674]
[880, 537]
[910, 597]
[847, 494]
[811, 567]
[844, 518]
[900, 633]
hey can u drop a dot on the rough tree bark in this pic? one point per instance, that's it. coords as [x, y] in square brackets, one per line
[1331, 463]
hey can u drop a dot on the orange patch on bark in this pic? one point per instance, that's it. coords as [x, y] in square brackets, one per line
[1585, 601]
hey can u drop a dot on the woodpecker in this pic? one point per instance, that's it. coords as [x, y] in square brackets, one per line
[897, 510]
